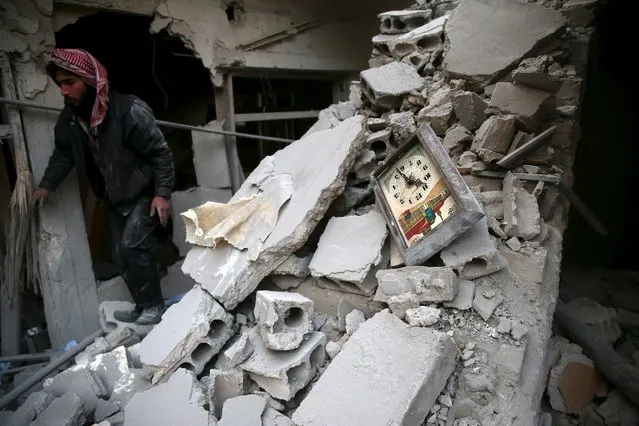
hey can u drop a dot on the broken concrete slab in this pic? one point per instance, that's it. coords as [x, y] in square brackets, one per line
[469, 109]
[271, 417]
[82, 382]
[30, 409]
[223, 386]
[180, 400]
[468, 56]
[510, 359]
[521, 210]
[474, 254]
[532, 72]
[67, 410]
[403, 21]
[455, 139]
[484, 305]
[426, 38]
[464, 298]
[182, 201]
[415, 362]
[295, 266]
[349, 247]
[283, 318]
[527, 104]
[402, 125]
[236, 352]
[225, 272]
[494, 135]
[283, 374]
[429, 284]
[440, 117]
[422, 316]
[385, 86]
[245, 410]
[192, 331]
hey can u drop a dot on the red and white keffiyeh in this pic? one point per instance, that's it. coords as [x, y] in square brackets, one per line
[84, 65]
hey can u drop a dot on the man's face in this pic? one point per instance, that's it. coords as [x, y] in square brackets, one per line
[71, 87]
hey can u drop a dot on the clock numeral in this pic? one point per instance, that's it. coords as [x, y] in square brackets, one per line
[401, 201]
[402, 168]
[419, 162]
[424, 167]
[418, 197]
[425, 187]
[394, 187]
[396, 196]
[396, 176]
[427, 176]
[410, 201]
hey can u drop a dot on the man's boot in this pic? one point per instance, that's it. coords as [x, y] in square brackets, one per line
[128, 316]
[151, 315]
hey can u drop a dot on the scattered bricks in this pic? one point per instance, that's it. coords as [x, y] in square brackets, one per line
[245, 410]
[521, 211]
[526, 103]
[191, 332]
[178, 401]
[439, 117]
[284, 319]
[532, 72]
[494, 135]
[272, 417]
[109, 323]
[83, 383]
[349, 247]
[415, 361]
[295, 266]
[429, 284]
[456, 138]
[68, 410]
[469, 109]
[222, 386]
[402, 125]
[509, 358]
[30, 409]
[464, 298]
[573, 383]
[403, 21]
[237, 352]
[353, 320]
[399, 304]
[385, 86]
[283, 374]
[485, 306]
[423, 316]
[474, 254]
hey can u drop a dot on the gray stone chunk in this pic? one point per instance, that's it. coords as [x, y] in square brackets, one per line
[422, 316]
[526, 103]
[284, 319]
[245, 410]
[236, 353]
[283, 374]
[510, 358]
[83, 383]
[429, 284]
[223, 386]
[349, 247]
[191, 331]
[469, 109]
[440, 117]
[521, 210]
[474, 253]
[295, 266]
[67, 410]
[469, 36]
[401, 303]
[464, 298]
[35, 404]
[494, 135]
[226, 272]
[455, 139]
[182, 201]
[402, 124]
[271, 417]
[532, 72]
[379, 143]
[386, 85]
[485, 306]
[416, 361]
[178, 401]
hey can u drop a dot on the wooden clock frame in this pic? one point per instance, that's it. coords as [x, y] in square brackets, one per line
[468, 210]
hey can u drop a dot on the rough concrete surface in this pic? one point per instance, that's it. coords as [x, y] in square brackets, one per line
[395, 373]
[429, 284]
[284, 319]
[386, 85]
[226, 272]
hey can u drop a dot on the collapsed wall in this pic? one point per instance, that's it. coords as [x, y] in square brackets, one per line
[340, 329]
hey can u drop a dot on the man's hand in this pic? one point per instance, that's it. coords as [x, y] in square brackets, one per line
[163, 207]
[40, 195]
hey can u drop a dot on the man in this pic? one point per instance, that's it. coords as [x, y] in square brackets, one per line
[114, 139]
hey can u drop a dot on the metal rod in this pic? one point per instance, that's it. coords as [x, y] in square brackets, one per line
[44, 356]
[45, 371]
[16, 370]
[29, 104]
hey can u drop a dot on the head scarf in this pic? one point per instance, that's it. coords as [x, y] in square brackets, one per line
[84, 65]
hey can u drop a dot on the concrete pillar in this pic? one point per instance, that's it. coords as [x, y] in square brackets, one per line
[68, 284]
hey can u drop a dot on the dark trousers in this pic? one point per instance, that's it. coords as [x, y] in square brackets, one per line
[132, 237]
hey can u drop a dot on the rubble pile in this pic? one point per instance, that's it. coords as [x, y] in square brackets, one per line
[303, 311]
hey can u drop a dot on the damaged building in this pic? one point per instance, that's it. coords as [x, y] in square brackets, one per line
[293, 296]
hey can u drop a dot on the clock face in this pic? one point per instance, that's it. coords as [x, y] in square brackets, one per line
[417, 195]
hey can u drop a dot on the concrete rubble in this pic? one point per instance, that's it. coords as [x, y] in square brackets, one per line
[302, 310]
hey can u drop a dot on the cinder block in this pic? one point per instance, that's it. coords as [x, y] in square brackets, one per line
[284, 319]
[222, 386]
[66, 410]
[191, 332]
[283, 374]
[387, 373]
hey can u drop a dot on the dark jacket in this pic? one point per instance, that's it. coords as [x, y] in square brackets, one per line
[133, 156]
